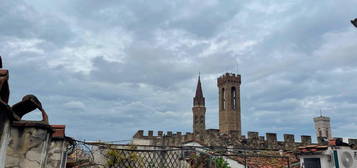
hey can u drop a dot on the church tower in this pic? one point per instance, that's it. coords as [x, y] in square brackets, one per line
[229, 103]
[322, 127]
[199, 110]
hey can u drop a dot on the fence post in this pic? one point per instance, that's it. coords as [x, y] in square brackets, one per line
[288, 162]
[245, 158]
[162, 158]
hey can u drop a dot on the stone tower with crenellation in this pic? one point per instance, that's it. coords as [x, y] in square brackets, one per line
[229, 103]
[229, 133]
[322, 127]
[199, 110]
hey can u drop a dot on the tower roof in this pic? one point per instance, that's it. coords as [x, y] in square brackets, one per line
[322, 118]
[199, 88]
[199, 99]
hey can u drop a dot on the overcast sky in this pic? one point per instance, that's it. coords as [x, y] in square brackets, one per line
[106, 69]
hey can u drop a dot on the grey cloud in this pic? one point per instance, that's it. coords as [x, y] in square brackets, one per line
[203, 19]
[144, 64]
[22, 21]
[142, 61]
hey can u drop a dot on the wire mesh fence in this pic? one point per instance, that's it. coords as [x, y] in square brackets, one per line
[130, 156]
[147, 158]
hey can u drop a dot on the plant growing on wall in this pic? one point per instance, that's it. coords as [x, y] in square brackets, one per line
[198, 160]
[221, 163]
[117, 158]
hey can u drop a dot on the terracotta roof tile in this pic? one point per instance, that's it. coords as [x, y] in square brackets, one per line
[59, 130]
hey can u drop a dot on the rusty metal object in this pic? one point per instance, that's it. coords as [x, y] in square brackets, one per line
[26, 105]
[4, 86]
[4, 91]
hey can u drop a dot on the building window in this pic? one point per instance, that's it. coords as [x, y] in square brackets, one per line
[326, 133]
[320, 133]
[223, 100]
[234, 98]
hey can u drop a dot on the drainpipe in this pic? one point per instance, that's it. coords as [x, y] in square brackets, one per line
[335, 158]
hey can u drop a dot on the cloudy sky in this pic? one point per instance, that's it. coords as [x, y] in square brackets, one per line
[108, 68]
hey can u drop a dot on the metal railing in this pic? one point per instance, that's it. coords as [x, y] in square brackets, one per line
[136, 156]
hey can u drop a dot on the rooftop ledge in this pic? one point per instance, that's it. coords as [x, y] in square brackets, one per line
[30, 123]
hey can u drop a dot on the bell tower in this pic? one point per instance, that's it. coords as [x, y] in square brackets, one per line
[199, 110]
[322, 127]
[229, 103]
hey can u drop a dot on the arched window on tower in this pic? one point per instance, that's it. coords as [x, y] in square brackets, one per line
[326, 132]
[234, 98]
[320, 133]
[223, 100]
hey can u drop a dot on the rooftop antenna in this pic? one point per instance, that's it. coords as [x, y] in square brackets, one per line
[237, 67]
[320, 113]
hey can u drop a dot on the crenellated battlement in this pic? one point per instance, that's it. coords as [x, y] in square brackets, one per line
[270, 141]
[212, 137]
[322, 118]
[229, 78]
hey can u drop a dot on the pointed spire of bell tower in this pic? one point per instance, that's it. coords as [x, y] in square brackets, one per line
[199, 110]
[199, 99]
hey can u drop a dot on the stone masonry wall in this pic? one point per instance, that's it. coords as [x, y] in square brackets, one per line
[212, 137]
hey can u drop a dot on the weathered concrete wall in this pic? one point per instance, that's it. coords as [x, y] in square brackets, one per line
[33, 144]
[56, 156]
[57, 150]
[99, 156]
[3, 122]
[28, 145]
[5, 136]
